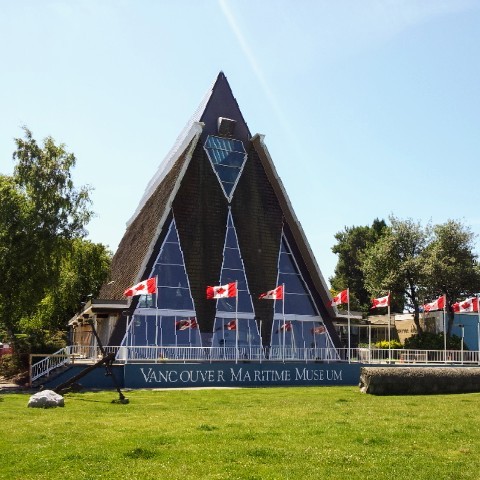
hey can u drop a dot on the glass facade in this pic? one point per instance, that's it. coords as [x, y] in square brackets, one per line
[164, 324]
[166, 318]
[229, 332]
[297, 296]
[298, 330]
[227, 157]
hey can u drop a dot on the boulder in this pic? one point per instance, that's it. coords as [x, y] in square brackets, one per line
[46, 399]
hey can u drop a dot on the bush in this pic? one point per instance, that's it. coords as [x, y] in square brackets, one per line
[386, 343]
[433, 341]
[9, 365]
[35, 341]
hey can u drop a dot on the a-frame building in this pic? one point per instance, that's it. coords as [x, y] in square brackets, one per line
[216, 212]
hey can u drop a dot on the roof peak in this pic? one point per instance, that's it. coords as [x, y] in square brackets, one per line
[222, 103]
[217, 102]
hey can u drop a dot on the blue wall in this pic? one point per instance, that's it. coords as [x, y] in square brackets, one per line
[471, 333]
[95, 379]
[239, 375]
[222, 374]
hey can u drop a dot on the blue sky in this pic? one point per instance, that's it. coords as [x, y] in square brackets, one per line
[369, 108]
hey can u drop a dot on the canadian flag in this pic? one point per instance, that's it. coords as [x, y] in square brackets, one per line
[468, 305]
[185, 324]
[381, 302]
[222, 291]
[231, 325]
[319, 330]
[285, 327]
[342, 297]
[438, 304]
[142, 288]
[275, 294]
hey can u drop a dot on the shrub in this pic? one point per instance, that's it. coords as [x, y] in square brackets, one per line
[433, 341]
[34, 341]
[386, 343]
[9, 365]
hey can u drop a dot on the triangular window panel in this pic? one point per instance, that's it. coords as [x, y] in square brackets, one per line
[167, 318]
[173, 287]
[227, 157]
[233, 271]
[235, 331]
[297, 297]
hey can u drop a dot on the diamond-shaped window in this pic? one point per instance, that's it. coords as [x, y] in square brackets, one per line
[227, 157]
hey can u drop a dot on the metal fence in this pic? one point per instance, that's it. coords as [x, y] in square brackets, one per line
[159, 354]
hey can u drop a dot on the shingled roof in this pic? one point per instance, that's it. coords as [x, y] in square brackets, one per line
[141, 235]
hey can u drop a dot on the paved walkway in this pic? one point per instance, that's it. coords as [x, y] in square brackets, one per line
[9, 387]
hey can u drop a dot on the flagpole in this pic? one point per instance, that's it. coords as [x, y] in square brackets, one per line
[348, 322]
[478, 330]
[236, 321]
[223, 338]
[369, 342]
[249, 339]
[146, 334]
[156, 335]
[156, 318]
[303, 338]
[176, 339]
[161, 338]
[283, 315]
[126, 340]
[444, 330]
[389, 331]
[261, 342]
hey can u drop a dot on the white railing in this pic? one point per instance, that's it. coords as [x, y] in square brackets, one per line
[48, 363]
[156, 354]
[278, 353]
[398, 356]
[160, 354]
[81, 352]
[65, 356]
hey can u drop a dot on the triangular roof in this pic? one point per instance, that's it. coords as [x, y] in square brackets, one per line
[218, 99]
[176, 183]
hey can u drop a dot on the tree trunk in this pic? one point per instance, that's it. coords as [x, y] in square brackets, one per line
[416, 318]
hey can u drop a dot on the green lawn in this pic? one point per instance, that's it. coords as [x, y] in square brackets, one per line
[274, 433]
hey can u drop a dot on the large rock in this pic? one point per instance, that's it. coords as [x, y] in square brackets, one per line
[395, 380]
[46, 399]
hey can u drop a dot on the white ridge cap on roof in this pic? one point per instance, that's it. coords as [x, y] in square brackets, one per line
[192, 128]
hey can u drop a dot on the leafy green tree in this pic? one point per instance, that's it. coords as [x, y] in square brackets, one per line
[350, 247]
[43, 258]
[17, 256]
[44, 175]
[450, 265]
[395, 263]
[84, 268]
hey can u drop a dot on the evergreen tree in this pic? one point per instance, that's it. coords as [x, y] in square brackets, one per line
[350, 248]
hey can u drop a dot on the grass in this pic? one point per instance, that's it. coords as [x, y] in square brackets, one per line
[275, 433]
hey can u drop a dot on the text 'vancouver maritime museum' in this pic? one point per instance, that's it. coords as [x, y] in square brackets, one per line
[229, 275]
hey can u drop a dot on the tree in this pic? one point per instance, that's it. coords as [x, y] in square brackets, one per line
[450, 264]
[395, 263]
[350, 247]
[44, 175]
[84, 268]
[42, 224]
[17, 255]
